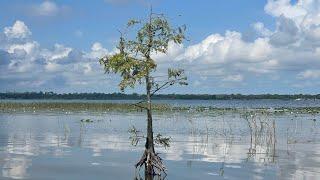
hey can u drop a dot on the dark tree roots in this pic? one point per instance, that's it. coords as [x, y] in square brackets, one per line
[153, 163]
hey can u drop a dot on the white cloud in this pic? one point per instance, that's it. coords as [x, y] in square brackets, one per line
[21, 67]
[18, 30]
[286, 32]
[46, 9]
[292, 47]
[59, 52]
[84, 67]
[261, 29]
[313, 34]
[97, 47]
[205, 47]
[290, 51]
[218, 49]
[173, 51]
[29, 47]
[284, 7]
[97, 51]
[52, 67]
[28, 64]
[309, 74]
[233, 78]
[304, 13]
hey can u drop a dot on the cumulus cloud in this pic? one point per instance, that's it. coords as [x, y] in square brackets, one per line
[26, 64]
[286, 32]
[293, 46]
[18, 30]
[28, 47]
[174, 50]
[286, 8]
[261, 29]
[296, 22]
[223, 55]
[290, 52]
[60, 52]
[97, 51]
[216, 49]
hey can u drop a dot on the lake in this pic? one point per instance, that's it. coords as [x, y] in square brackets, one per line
[215, 144]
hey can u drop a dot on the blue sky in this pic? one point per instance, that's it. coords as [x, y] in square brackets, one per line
[247, 46]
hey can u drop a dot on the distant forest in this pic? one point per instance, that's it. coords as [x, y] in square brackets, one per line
[134, 96]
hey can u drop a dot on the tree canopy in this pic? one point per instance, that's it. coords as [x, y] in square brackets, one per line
[133, 60]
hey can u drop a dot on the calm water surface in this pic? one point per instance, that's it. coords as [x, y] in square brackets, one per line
[206, 145]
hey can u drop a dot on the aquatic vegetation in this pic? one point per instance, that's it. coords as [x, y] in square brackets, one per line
[86, 120]
[70, 107]
[135, 136]
[262, 130]
[73, 107]
[163, 141]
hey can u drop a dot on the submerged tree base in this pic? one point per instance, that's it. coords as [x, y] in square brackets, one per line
[152, 162]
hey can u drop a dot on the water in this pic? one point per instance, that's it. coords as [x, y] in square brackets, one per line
[204, 145]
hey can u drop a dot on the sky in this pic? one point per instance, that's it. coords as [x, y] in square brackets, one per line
[247, 46]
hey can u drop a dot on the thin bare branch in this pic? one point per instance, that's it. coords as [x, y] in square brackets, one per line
[168, 83]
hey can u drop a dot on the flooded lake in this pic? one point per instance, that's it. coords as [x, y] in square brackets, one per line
[244, 143]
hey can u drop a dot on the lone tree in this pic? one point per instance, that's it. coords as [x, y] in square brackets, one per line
[134, 63]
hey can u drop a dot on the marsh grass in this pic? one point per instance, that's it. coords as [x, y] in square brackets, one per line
[127, 107]
[80, 106]
[74, 106]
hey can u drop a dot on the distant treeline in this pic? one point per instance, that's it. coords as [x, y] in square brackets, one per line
[134, 96]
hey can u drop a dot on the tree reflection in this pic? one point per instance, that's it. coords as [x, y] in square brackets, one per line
[148, 176]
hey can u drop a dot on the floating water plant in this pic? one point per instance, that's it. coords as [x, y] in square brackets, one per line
[86, 120]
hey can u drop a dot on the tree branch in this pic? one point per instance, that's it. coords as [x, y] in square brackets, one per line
[137, 104]
[163, 86]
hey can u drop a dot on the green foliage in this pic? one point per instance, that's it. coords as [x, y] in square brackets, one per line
[132, 22]
[175, 74]
[163, 141]
[134, 136]
[86, 120]
[133, 61]
[130, 69]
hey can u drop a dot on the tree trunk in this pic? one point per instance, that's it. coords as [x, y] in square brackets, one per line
[149, 141]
